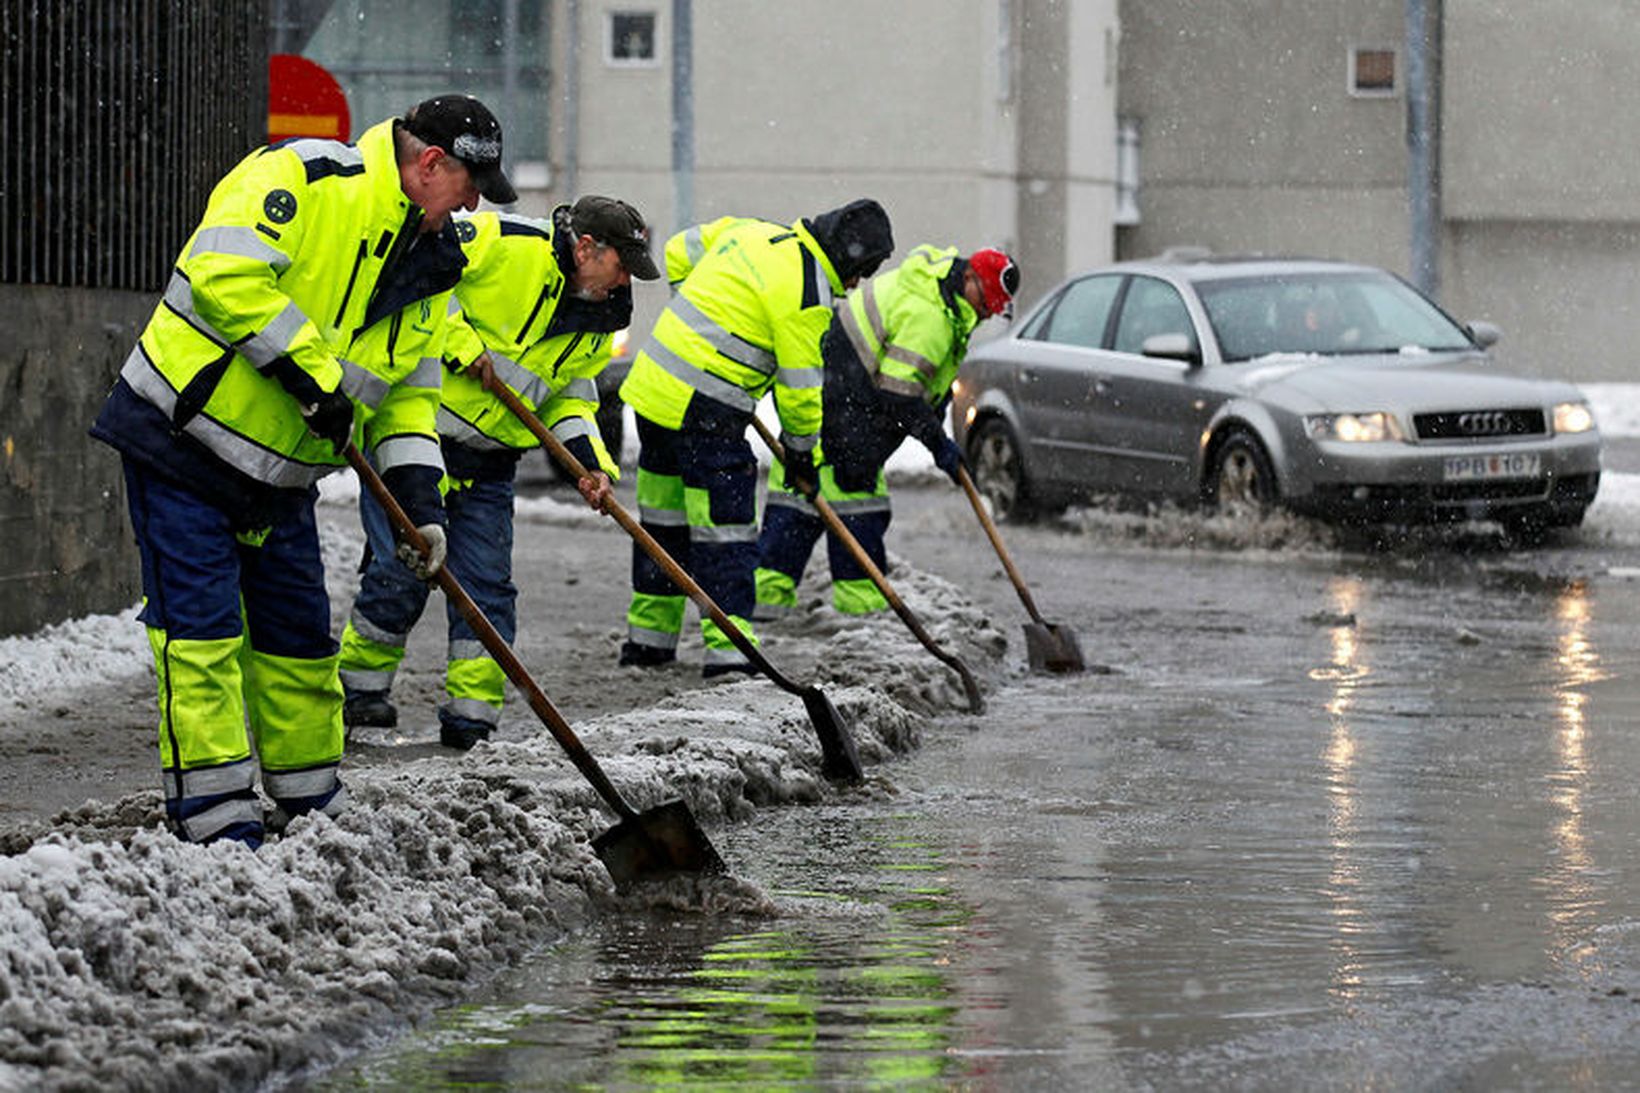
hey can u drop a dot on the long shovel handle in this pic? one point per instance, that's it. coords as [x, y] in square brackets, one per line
[835, 524]
[996, 541]
[493, 641]
[648, 542]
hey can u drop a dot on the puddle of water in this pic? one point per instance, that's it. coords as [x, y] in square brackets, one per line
[1308, 834]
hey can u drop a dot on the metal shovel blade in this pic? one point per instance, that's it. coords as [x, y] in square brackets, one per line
[655, 843]
[1051, 647]
[839, 761]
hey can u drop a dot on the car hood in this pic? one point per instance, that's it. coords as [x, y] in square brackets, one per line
[1402, 381]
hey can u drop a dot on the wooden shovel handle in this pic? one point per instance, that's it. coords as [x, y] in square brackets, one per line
[492, 640]
[835, 524]
[996, 541]
[646, 541]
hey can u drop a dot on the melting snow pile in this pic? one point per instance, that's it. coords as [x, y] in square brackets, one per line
[130, 959]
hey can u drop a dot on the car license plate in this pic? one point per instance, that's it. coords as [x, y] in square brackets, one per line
[1470, 468]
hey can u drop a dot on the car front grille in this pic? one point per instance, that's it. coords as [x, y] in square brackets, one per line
[1480, 424]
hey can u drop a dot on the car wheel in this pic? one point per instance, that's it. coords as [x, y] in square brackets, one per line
[999, 471]
[1241, 477]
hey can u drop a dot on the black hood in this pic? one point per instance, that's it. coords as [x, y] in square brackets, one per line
[856, 237]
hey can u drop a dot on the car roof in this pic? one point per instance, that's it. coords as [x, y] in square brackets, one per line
[1198, 264]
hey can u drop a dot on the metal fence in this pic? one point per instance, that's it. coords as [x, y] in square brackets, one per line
[116, 119]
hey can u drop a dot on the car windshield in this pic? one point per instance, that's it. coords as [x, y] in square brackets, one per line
[1324, 313]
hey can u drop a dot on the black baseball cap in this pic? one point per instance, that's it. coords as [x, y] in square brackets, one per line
[614, 223]
[465, 129]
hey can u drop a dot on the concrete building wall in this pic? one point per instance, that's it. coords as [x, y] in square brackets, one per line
[974, 122]
[65, 540]
[1251, 142]
[1541, 155]
[1250, 138]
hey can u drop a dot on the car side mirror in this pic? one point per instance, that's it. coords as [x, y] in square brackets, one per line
[1173, 347]
[1483, 333]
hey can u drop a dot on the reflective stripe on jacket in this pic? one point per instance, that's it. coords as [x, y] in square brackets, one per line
[546, 345]
[910, 325]
[286, 263]
[746, 319]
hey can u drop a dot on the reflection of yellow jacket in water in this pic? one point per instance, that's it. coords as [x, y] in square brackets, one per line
[546, 345]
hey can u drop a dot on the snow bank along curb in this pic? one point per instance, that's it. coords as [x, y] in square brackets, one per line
[130, 959]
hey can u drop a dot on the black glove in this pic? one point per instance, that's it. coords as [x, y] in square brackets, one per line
[328, 416]
[948, 458]
[331, 418]
[801, 475]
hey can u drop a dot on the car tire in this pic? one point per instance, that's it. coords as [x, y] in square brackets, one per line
[998, 467]
[1240, 476]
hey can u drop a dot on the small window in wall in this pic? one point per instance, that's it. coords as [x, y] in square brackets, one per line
[632, 39]
[1372, 71]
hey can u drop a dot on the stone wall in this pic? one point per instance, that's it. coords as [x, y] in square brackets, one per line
[65, 541]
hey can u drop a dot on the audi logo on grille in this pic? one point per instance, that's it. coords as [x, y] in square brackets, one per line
[1483, 423]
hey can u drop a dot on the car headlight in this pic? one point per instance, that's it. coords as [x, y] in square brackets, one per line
[1374, 426]
[1573, 417]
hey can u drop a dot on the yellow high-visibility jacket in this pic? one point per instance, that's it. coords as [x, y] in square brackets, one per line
[545, 344]
[308, 255]
[746, 319]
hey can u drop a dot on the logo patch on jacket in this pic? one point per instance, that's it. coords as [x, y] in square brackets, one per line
[280, 206]
[466, 231]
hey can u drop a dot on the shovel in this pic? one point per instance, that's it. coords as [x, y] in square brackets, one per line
[1049, 646]
[839, 761]
[644, 845]
[976, 703]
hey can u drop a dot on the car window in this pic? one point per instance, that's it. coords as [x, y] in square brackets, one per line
[1080, 315]
[1328, 314]
[1151, 307]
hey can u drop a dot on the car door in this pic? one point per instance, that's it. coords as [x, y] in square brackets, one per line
[1147, 408]
[1058, 371]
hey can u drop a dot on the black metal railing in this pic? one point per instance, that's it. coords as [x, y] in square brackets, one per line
[116, 119]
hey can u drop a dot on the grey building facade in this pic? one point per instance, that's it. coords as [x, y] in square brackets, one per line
[1264, 126]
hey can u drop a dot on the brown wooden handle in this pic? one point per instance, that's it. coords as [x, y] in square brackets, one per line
[996, 541]
[492, 639]
[649, 544]
[835, 524]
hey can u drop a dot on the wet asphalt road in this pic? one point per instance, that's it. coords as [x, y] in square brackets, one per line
[1325, 818]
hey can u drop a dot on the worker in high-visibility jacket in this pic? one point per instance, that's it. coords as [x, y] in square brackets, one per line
[306, 309]
[891, 355]
[537, 306]
[746, 319]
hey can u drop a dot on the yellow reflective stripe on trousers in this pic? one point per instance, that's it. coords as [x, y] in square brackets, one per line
[295, 708]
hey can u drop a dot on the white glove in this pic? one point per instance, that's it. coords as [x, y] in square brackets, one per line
[425, 568]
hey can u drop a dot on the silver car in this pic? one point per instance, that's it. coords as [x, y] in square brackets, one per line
[1335, 389]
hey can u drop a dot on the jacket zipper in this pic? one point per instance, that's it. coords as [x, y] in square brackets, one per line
[568, 349]
[536, 310]
[358, 261]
